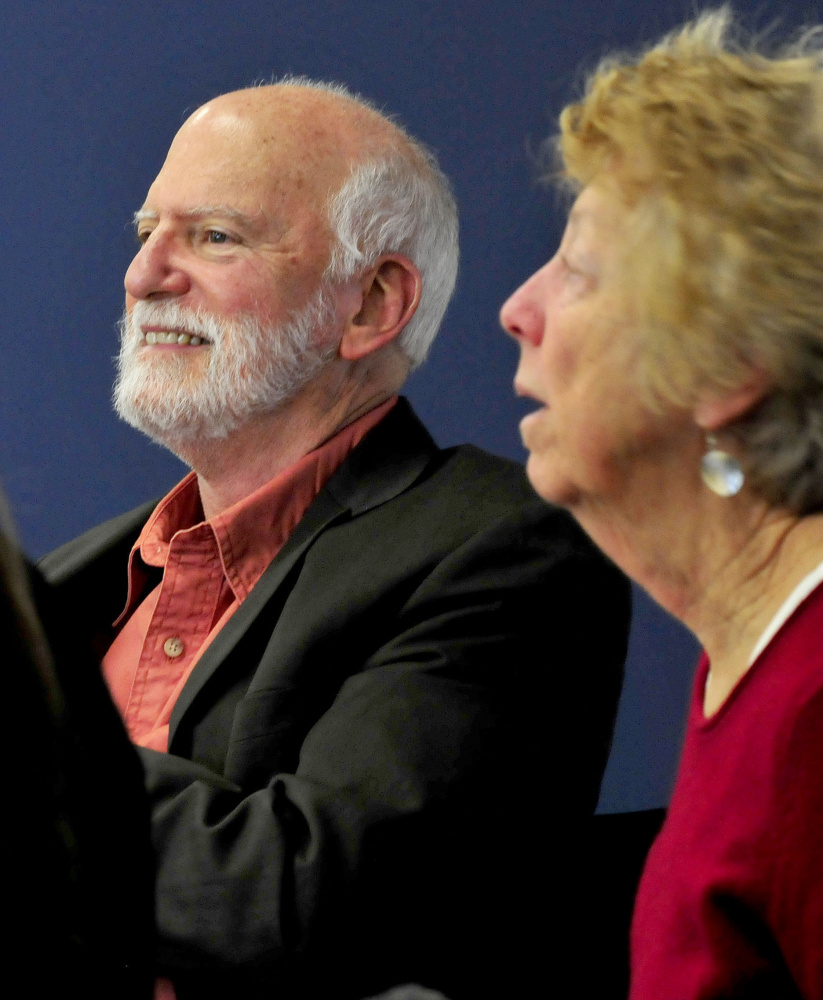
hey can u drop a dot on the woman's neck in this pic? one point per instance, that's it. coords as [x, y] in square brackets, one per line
[742, 596]
[722, 566]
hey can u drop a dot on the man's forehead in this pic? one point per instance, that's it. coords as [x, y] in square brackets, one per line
[225, 145]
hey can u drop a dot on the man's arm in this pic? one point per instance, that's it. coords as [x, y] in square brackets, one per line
[413, 815]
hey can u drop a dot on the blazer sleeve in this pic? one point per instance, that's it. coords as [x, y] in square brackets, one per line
[437, 798]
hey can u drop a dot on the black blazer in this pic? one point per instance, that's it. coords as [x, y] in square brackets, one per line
[360, 764]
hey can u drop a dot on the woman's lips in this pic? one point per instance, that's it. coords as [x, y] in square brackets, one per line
[532, 417]
[535, 415]
[521, 390]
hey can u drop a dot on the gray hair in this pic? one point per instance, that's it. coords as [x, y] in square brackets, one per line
[390, 205]
[396, 201]
[781, 443]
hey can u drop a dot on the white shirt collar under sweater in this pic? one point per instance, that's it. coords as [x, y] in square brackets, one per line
[793, 601]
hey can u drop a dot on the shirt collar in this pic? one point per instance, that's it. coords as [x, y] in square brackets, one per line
[251, 532]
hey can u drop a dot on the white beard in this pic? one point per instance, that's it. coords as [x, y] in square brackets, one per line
[249, 369]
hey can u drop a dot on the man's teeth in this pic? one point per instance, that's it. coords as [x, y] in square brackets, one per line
[170, 337]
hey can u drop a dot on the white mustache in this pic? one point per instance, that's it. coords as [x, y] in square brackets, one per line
[250, 368]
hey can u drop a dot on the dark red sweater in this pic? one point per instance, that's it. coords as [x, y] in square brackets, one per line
[731, 900]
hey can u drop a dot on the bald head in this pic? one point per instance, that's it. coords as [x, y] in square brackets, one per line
[330, 122]
[298, 137]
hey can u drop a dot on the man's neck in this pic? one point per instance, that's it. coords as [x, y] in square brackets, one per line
[231, 469]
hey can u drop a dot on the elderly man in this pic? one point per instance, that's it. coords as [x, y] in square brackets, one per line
[361, 670]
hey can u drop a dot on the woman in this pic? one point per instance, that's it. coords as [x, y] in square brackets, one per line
[675, 344]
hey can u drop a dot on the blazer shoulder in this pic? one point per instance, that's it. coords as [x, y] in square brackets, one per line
[111, 537]
[502, 474]
[487, 482]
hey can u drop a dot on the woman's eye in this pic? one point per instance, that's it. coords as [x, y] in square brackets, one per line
[577, 278]
[570, 268]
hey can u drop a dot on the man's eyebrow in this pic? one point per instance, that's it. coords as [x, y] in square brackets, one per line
[142, 214]
[203, 211]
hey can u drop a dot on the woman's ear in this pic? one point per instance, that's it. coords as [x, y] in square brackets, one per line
[714, 411]
[389, 296]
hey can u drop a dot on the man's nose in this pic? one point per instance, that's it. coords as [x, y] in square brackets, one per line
[157, 270]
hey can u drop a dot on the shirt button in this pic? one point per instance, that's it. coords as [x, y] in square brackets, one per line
[173, 647]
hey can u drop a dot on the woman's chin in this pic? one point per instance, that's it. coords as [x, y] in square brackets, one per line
[544, 478]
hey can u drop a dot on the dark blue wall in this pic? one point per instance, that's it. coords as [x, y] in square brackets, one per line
[92, 93]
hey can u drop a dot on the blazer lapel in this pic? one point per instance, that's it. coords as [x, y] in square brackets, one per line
[385, 463]
[323, 512]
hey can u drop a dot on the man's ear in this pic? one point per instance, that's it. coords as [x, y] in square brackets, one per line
[714, 410]
[390, 294]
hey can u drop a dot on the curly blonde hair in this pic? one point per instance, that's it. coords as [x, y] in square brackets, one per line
[718, 148]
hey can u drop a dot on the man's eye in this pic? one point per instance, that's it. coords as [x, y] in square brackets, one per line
[216, 236]
[143, 235]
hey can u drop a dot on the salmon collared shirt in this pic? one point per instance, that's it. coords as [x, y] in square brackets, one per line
[208, 570]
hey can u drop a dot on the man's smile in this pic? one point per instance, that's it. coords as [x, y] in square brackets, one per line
[171, 337]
